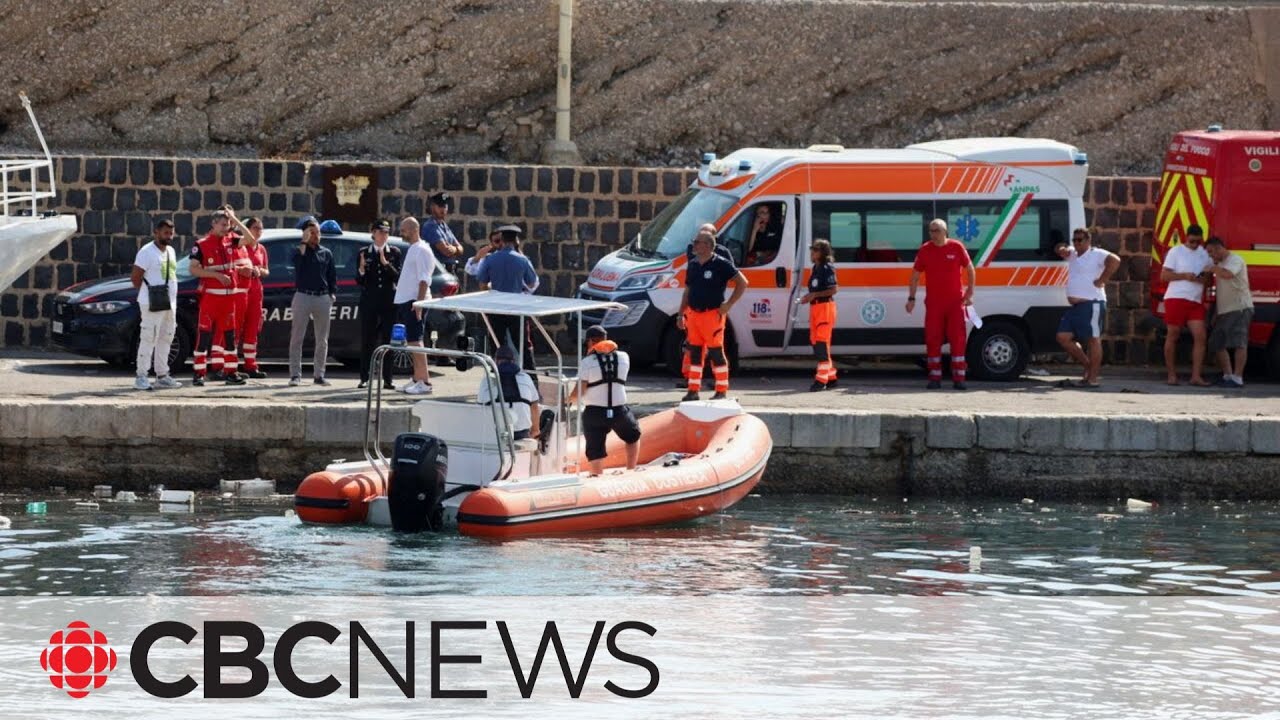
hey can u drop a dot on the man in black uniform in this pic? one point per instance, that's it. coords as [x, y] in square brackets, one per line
[703, 310]
[722, 251]
[377, 271]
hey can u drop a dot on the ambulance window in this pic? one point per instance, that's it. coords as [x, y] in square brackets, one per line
[844, 230]
[768, 239]
[894, 235]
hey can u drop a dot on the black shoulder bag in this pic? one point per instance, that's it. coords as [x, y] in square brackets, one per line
[158, 295]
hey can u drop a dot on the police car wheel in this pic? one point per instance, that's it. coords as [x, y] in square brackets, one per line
[999, 351]
[179, 349]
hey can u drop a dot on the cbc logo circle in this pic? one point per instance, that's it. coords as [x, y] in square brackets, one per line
[78, 659]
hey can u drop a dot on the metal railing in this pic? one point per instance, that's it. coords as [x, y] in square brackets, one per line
[20, 177]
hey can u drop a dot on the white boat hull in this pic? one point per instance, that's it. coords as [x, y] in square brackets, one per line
[24, 240]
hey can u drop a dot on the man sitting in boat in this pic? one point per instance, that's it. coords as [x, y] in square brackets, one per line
[519, 393]
[602, 381]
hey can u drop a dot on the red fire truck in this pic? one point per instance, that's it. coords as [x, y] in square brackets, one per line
[1227, 182]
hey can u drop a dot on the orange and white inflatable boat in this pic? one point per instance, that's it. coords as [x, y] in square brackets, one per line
[461, 467]
[695, 460]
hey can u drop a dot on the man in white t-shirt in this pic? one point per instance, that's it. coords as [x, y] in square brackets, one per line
[519, 393]
[156, 266]
[1186, 271]
[414, 285]
[1088, 270]
[602, 382]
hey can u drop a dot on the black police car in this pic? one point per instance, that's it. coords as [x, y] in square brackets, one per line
[99, 318]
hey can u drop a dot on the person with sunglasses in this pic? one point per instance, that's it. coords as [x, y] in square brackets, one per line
[1088, 270]
[949, 278]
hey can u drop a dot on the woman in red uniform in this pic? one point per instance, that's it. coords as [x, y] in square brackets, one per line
[943, 261]
[822, 312]
[251, 318]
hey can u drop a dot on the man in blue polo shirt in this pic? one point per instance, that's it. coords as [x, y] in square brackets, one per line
[506, 270]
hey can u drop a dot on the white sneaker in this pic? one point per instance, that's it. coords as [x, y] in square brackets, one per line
[141, 383]
[167, 382]
[409, 387]
[295, 381]
[418, 388]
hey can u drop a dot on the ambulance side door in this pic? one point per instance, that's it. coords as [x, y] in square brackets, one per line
[760, 319]
[874, 244]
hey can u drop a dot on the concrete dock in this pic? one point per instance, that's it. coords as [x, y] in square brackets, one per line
[75, 422]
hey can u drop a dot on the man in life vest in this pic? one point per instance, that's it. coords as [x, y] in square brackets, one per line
[703, 310]
[822, 312]
[249, 305]
[602, 384]
[944, 262]
[214, 261]
[519, 393]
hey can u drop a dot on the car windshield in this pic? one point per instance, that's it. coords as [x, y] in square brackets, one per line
[670, 233]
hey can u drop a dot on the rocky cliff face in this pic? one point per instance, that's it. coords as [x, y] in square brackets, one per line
[655, 81]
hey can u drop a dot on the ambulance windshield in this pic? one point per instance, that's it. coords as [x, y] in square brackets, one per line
[670, 233]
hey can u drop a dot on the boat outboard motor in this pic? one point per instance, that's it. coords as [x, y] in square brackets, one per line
[415, 490]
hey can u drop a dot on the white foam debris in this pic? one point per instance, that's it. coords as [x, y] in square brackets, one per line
[1136, 505]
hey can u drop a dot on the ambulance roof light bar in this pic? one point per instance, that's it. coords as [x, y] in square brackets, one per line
[1215, 128]
[1079, 158]
[708, 158]
[826, 148]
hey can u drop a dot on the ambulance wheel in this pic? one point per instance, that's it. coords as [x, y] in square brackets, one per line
[999, 351]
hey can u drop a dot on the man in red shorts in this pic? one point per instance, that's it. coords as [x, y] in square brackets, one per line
[703, 310]
[213, 261]
[1184, 270]
[943, 261]
[249, 311]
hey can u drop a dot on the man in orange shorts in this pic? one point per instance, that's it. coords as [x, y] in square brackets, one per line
[703, 310]
[1184, 269]
[822, 312]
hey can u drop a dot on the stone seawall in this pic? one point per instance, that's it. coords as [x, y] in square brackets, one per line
[574, 216]
[134, 445]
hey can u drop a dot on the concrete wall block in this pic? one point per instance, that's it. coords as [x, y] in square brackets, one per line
[1040, 432]
[1085, 433]
[1133, 432]
[779, 424]
[1264, 436]
[235, 421]
[835, 430]
[14, 421]
[951, 431]
[997, 432]
[1175, 434]
[896, 429]
[336, 423]
[89, 421]
[1221, 435]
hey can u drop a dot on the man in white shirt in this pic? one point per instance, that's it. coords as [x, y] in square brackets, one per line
[519, 393]
[156, 266]
[414, 285]
[1088, 270]
[602, 382]
[1234, 312]
[1186, 271]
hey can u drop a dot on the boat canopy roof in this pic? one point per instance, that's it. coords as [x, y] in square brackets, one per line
[494, 302]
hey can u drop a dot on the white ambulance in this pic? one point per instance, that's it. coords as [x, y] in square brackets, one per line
[1009, 200]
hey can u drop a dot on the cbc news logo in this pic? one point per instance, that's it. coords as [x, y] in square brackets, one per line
[78, 659]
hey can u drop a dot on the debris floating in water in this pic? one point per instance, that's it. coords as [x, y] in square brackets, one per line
[126, 496]
[5, 523]
[975, 559]
[102, 492]
[1135, 505]
[86, 505]
[1028, 501]
[37, 508]
[177, 497]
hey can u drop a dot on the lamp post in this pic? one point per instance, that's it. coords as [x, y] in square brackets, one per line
[562, 150]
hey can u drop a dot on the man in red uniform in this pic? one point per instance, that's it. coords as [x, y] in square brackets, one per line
[214, 261]
[249, 312]
[943, 260]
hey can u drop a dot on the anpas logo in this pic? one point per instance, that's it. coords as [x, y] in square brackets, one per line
[78, 659]
[1015, 187]
[873, 312]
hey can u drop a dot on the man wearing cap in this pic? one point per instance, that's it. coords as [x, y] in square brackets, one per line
[438, 235]
[414, 285]
[519, 393]
[156, 266]
[506, 270]
[602, 384]
[315, 280]
[377, 271]
[703, 310]
[213, 260]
